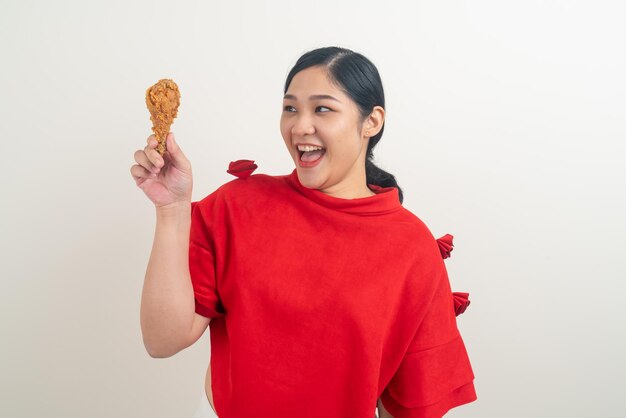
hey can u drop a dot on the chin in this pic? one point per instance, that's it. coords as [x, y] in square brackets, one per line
[309, 179]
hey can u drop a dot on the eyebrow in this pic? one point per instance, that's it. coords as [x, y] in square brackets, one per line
[313, 97]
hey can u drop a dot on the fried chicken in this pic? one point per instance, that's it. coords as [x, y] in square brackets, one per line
[163, 100]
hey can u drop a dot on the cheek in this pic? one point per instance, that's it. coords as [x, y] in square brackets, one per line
[284, 129]
[346, 150]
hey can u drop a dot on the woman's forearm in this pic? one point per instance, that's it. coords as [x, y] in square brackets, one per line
[167, 303]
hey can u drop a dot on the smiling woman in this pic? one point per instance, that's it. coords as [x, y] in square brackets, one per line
[326, 297]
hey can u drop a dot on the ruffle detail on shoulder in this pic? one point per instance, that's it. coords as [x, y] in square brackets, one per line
[445, 245]
[461, 302]
[241, 168]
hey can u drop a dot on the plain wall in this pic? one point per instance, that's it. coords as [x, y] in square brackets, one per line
[505, 127]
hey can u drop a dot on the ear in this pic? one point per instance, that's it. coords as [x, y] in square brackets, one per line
[374, 122]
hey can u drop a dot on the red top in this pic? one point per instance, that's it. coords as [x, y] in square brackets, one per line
[321, 305]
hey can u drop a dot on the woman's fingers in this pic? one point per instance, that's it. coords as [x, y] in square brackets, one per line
[140, 173]
[177, 156]
[153, 155]
[149, 156]
[142, 159]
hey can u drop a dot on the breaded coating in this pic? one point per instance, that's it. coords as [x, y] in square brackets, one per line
[163, 100]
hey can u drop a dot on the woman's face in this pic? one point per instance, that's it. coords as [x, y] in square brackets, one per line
[332, 123]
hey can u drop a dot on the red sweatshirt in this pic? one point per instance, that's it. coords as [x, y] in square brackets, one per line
[322, 305]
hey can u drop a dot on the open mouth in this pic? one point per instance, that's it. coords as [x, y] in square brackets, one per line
[310, 156]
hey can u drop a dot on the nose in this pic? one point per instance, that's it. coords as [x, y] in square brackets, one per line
[302, 126]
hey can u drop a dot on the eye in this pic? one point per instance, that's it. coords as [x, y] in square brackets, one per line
[287, 108]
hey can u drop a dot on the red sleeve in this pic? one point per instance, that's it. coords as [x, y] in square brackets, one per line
[202, 257]
[435, 374]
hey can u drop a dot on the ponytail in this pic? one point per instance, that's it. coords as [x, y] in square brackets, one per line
[378, 176]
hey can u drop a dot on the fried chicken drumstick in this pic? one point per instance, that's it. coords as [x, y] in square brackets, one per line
[163, 100]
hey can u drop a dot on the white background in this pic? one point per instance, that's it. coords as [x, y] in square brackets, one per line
[505, 127]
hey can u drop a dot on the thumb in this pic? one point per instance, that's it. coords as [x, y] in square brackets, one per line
[176, 154]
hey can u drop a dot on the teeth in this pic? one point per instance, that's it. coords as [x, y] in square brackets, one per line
[308, 148]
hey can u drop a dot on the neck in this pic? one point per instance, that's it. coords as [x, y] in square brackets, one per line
[353, 187]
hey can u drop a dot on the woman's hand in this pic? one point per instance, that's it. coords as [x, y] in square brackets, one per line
[166, 180]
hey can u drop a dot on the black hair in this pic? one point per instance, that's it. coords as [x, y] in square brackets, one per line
[358, 78]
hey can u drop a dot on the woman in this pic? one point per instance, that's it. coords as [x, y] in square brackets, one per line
[325, 296]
